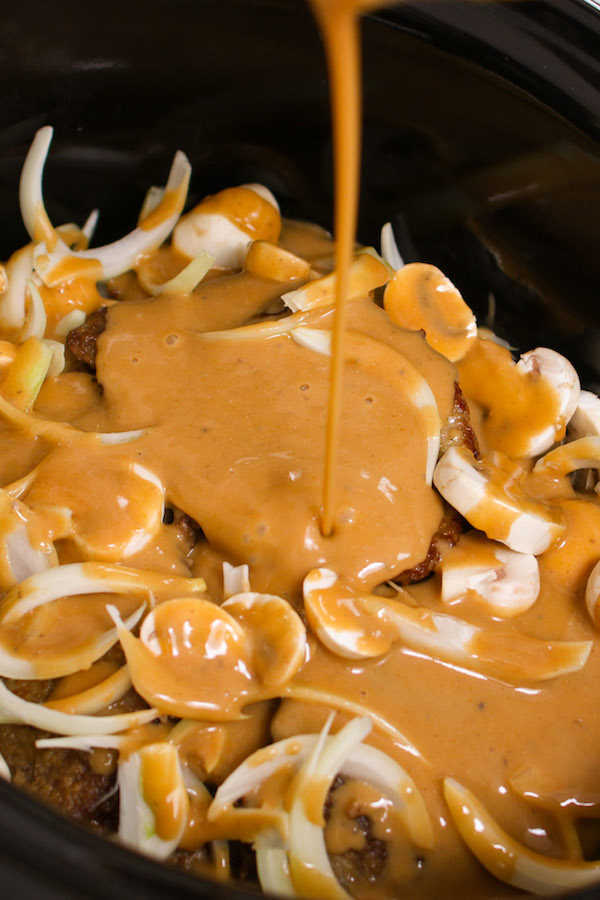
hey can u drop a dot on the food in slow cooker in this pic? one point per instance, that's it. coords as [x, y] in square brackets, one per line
[403, 707]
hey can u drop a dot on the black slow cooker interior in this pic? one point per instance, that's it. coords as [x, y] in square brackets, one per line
[481, 144]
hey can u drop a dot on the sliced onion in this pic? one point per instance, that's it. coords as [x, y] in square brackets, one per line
[35, 319]
[507, 859]
[92, 578]
[311, 694]
[57, 362]
[310, 868]
[389, 247]
[105, 262]
[95, 698]
[236, 580]
[72, 320]
[27, 372]
[85, 743]
[13, 709]
[189, 277]
[364, 763]
[137, 821]
[19, 269]
[49, 665]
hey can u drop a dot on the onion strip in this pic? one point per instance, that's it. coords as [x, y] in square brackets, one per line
[14, 709]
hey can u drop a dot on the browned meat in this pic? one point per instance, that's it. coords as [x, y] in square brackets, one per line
[364, 864]
[457, 429]
[81, 342]
[448, 533]
[61, 778]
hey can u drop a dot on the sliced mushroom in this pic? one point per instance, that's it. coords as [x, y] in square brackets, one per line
[584, 453]
[199, 660]
[361, 625]
[505, 582]
[225, 224]
[556, 369]
[526, 405]
[487, 492]
[586, 418]
[419, 296]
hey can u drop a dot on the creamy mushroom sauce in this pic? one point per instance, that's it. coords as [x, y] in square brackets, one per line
[211, 400]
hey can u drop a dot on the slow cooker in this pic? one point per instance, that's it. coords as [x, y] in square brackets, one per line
[481, 145]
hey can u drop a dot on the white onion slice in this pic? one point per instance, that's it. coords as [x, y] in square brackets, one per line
[15, 710]
[92, 578]
[112, 259]
[307, 853]
[507, 859]
[137, 822]
[35, 319]
[47, 665]
[389, 247]
[85, 743]
[19, 269]
[236, 580]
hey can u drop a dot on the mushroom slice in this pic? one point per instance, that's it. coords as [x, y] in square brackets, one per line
[508, 859]
[438, 635]
[267, 260]
[366, 273]
[153, 800]
[419, 296]
[586, 418]
[277, 635]
[199, 660]
[225, 224]
[192, 660]
[507, 583]
[487, 492]
[526, 405]
[584, 453]
[339, 619]
[14, 709]
[557, 370]
[54, 260]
